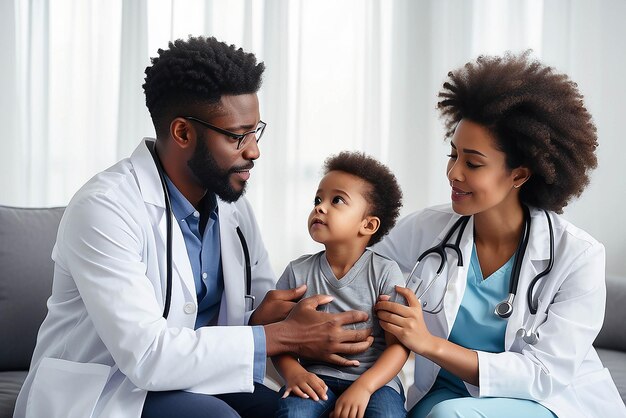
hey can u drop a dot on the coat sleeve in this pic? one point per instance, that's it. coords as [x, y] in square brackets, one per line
[411, 236]
[573, 320]
[400, 244]
[101, 246]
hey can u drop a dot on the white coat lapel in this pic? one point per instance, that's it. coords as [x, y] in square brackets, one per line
[181, 266]
[457, 274]
[180, 259]
[535, 260]
[232, 307]
[426, 273]
[147, 174]
[441, 323]
[152, 192]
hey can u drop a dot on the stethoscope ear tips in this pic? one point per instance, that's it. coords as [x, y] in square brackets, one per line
[529, 337]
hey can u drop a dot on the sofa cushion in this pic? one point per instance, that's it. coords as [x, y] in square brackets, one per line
[10, 384]
[613, 333]
[26, 268]
[615, 361]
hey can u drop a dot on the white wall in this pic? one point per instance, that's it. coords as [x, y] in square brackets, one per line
[585, 43]
[341, 74]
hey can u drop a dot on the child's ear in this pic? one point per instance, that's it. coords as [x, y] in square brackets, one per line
[370, 225]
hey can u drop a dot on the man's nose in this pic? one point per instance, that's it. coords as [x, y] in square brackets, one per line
[251, 150]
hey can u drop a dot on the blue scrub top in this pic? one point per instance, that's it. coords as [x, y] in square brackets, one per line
[476, 326]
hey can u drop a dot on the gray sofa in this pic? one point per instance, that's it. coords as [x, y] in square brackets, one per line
[26, 240]
[611, 342]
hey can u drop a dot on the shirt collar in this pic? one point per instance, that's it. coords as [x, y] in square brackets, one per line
[182, 208]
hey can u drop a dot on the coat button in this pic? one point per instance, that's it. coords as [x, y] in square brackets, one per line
[189, 308]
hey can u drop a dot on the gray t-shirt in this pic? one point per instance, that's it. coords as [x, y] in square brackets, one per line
[372, 275]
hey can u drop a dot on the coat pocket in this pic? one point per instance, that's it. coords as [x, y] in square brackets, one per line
[66, 389]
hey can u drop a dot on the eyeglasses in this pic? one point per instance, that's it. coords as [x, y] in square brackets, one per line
[242, 139]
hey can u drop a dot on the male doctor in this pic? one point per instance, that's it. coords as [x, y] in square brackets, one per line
[111, 345]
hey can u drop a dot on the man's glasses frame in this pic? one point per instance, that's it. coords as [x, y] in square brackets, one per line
[241, 139]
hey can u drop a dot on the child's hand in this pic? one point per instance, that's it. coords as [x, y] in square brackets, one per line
[352, 403]
[306, 385]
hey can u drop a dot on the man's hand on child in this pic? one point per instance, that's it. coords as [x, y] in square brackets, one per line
[352, 402]
[276, 305]
[306, 385]
[322, 335]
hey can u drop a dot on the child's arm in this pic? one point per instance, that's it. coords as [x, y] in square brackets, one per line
[298, 380]
[388, 365]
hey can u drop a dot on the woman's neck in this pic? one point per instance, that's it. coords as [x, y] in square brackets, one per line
[496, 236]
[497, 228]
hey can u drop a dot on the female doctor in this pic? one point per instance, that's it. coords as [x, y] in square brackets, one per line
[522, 145]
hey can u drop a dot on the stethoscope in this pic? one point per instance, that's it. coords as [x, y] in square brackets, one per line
[503, 309]
[248, 297]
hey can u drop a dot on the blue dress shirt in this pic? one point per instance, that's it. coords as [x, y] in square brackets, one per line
[201, 233]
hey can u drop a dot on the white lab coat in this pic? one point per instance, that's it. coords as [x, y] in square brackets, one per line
[562, 371]
[104, 342]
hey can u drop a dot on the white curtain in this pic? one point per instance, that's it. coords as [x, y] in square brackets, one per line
[341, 74]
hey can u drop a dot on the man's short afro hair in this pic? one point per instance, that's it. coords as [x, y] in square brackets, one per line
[196, 71]
[385, 195]
[537, 118]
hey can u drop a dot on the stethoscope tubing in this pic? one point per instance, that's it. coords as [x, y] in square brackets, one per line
[545, 272]
[440, 250]
[168, 245]
[504, 308]
[168, 211]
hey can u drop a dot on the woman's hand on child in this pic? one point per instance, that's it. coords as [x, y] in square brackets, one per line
[405, 322]
[352, 403]
[305, 385]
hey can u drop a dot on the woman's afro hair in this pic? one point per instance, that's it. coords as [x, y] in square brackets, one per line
[537, 118]
[384, 197]
[198, 70]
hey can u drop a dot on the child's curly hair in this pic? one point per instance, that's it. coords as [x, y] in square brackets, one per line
[385, 195]
[537, 118]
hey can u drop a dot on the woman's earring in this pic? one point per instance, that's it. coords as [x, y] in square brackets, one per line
[517, 186]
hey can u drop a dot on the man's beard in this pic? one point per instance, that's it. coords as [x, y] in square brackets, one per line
[213, 178]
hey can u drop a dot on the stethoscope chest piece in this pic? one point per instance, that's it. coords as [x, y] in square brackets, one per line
[504, 309]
